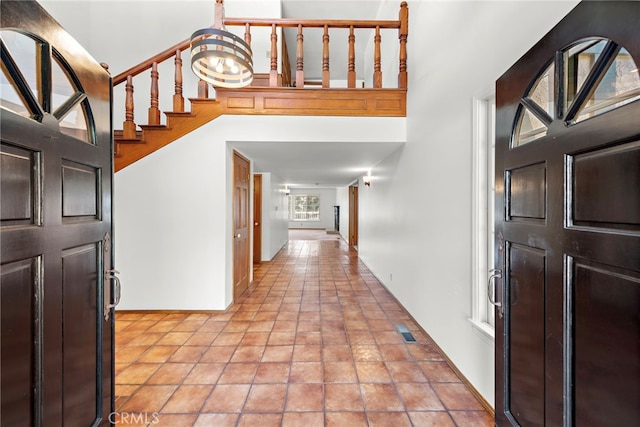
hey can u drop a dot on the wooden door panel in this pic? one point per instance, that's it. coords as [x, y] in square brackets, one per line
[606, 354]
[80, 191]
[599, 187]
[526, 318]
[19, 177]
[527, 193]
[21, 291]
[81, 320]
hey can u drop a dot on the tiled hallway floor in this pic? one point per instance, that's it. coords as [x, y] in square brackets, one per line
[313, 343]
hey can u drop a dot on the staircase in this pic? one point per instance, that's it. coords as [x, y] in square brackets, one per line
[270, 94]
[153, 137]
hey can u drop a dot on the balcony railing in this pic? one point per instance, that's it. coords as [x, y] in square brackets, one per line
[288, 78]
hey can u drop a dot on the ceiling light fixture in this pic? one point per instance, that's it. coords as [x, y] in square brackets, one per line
[220, 57]
[367, 179]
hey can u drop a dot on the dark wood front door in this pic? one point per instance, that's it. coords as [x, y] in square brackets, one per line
[241, 226]
[257, 218]
[568, 225]
[56, 173]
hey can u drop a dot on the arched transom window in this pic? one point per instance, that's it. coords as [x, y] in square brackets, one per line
[36, 82]
[586, 79]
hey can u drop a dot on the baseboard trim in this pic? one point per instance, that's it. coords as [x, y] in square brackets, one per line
[172, 311]
[464, 379]
[485, 404]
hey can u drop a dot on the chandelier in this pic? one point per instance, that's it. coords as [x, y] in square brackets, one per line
[220, 57]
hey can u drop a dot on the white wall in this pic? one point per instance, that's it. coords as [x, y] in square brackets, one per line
[415, 219]
[327, 201]
[275, 223]
[178, 200]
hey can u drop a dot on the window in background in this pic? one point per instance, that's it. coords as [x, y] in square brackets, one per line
[303, 207]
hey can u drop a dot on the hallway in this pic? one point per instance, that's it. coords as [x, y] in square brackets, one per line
[314, 342]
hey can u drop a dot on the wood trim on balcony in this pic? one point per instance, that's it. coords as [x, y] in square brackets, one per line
[313, 102]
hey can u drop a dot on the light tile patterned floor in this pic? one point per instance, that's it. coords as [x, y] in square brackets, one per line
[313, 343]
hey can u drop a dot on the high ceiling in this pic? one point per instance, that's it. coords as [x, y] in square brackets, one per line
[300, 163]
[320, 163]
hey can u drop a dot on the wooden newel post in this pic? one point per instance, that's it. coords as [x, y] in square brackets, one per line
[351, 74]
[299, 59]
[402, 35]
[377, 60]
[178, 99]
[128, 126]
[273, 73]
[325, 58]
[154, 112]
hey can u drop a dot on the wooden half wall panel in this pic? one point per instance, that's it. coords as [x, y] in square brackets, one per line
[313, 102]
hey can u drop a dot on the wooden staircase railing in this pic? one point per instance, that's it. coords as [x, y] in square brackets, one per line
[133, 144]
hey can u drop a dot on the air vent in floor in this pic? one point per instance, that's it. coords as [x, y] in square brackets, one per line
[408, 336]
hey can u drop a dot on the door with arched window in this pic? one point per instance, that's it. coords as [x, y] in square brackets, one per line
[568, 225]
[56, 178]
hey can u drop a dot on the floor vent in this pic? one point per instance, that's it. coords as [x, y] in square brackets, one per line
[408, 336]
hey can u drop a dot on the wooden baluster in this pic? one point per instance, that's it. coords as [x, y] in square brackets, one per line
[403, 33]
[325, 58]
[247, 33]
[273, 74]
[154, 112]
[128, 126]
[377, 62]
[351, 75]
[203, 87]
[300, 59]
[178, 100]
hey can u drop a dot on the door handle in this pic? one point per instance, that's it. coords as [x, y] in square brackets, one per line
[256, 224]
[109, 274]
[117, 291]
[495, 273]
[237, 236]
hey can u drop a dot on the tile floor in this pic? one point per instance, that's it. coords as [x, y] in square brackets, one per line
[313, 343]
